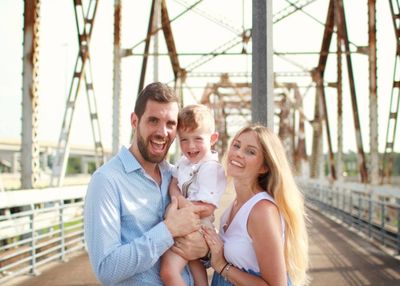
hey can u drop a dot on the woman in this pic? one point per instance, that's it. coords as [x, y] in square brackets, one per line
[262, 238]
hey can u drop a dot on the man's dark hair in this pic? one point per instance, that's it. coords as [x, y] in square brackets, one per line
[156, 91]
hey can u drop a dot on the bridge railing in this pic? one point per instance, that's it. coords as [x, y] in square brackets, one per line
[39, 226]
[372, 210]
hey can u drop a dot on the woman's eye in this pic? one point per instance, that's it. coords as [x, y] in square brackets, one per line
[236, 146]
[251, 152]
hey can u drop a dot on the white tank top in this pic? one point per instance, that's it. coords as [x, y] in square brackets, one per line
[238, 246]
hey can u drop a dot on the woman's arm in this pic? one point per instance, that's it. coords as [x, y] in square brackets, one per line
[264, 227]
[265, 230]
[231, 273]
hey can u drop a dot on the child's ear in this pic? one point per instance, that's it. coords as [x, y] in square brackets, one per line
[214, 138]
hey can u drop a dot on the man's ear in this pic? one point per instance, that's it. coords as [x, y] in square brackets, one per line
[214, 138]
[134, 120]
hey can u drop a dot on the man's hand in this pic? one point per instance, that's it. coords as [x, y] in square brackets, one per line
[181, 222]
[192, 246]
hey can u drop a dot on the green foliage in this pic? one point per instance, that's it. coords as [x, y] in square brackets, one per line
[350, 163]
[91, 167]
[396, 164]
[74, 165]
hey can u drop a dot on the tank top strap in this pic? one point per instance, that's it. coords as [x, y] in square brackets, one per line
[248, 206]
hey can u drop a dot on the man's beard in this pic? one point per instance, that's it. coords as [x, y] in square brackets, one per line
[142, 146]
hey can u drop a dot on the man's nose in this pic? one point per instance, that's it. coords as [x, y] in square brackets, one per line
[162, 130]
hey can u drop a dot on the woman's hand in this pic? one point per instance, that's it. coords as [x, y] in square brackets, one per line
[216, 246]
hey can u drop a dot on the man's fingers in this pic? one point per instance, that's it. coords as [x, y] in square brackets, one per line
[198, 208]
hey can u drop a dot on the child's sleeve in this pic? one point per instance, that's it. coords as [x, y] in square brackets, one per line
[211, 180]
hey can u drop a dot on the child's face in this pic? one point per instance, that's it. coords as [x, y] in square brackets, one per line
[196, 144]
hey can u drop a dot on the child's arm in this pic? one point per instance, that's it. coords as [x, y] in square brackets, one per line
[175, 192]
[209, 211]
[182, 202]
[174, 189]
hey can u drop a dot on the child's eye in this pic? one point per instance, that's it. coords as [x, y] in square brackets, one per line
[251, 152]
[236, 145]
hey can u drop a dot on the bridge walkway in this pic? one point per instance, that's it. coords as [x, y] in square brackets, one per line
[338, 257]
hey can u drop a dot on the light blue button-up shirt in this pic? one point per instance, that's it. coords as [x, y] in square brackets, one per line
[124, 229]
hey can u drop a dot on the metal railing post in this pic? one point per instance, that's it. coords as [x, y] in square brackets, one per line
[398, 230]
[33, 270]
[62, 230]
[369, 216]
[383, 222]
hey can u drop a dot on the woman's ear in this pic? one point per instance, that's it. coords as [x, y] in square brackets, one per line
[263, 169]
[214, 138]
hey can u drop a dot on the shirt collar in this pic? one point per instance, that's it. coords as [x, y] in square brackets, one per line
[213, 155]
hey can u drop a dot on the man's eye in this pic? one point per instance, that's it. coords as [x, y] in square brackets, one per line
[171, 124]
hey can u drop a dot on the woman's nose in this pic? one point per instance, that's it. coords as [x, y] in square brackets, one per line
[238, 153]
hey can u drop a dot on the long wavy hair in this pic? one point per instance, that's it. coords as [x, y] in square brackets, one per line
[280, 184]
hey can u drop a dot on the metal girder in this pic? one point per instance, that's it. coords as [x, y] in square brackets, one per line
[336, 9]
[227, 99]
[169, 38]
[291, 121]
[339, 91]
[30, 96]
[116, 131]
[147, 47]
[373, 97]
[360, 149]
[318, 74]
[82, 71]
[388, 156]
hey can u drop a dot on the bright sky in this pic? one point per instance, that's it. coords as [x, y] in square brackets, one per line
[193, 34]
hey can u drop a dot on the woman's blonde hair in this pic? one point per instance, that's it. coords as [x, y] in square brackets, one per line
[280, 184]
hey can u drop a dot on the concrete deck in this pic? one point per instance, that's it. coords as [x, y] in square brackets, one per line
[338, 257]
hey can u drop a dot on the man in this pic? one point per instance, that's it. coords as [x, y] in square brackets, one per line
[126, 226]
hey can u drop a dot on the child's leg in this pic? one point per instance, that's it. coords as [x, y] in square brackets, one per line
[171, 267]
[199, 273]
